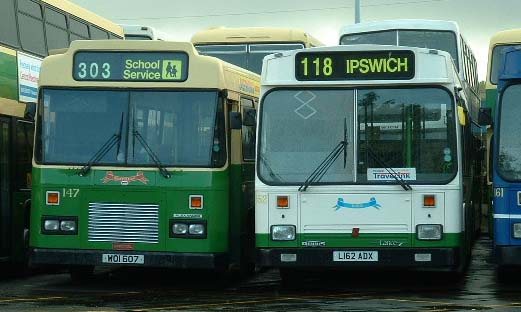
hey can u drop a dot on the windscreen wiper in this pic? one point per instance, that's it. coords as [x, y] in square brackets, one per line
[152, 155]
[406, 186]
[104, 149]
[330, 159]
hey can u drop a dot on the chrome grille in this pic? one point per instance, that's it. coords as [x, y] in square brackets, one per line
[127, 223]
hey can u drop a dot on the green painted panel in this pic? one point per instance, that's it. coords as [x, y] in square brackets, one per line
[172, 195]
[491, 99]
[364, 241]
[8, 76]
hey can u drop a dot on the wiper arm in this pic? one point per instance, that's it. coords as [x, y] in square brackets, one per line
[345, 141]
[405, 185]
[322, 168]
[152, 155]
[104, 149]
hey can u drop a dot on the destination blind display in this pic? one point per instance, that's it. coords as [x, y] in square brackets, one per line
[355, 65]
[131, 66]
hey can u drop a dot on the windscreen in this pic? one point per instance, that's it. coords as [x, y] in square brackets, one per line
[137, 37]
[299, 128]
[431, 39]
[496, 60]
[234, 54]
[248, 56]
[182, 128]
[411, 131]
[509, 153]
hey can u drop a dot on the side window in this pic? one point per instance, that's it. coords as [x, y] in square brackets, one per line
[79, 31]
[30, 25]
[98, 34]
[8, 33]
[248, 132]
[56, 30]
[24, 152]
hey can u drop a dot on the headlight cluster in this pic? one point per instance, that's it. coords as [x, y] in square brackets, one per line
[429, 231]
[283, 232]
[187, 229]
[59, 225]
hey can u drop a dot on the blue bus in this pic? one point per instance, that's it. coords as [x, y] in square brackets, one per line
[506, 166]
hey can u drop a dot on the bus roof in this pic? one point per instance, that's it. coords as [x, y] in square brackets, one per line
[204, 72]
[432, 66]
[86, 15]
[510, 36]
[221, 35]
[400, 24]
[506, 36]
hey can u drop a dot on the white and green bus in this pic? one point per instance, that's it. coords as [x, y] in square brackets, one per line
[363, 160]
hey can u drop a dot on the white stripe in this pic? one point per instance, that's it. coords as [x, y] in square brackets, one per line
[506, 216]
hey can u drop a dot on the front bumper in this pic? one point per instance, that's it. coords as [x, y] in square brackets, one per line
[508, 255]
[443, 258]
[217, 261]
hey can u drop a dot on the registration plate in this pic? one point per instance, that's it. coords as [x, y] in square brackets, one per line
[355, 256]
[124, 259]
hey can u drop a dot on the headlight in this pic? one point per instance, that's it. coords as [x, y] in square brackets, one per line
[196, 229]
[51, 225]
[68, 225]
[283, 232]
[59, 225]
[429, 231]
[516, 230]
[179, 228]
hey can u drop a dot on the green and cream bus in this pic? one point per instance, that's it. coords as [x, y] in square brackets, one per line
[28, 30]
[247, 46]
[363, 160]
[144, 156]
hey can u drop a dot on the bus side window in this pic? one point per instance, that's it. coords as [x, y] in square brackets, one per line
[56, 30]
[97, 34]
[30, 25]
[9, 33]
[248, 131]
[79, 31]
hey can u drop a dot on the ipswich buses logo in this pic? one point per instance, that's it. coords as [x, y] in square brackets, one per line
[140, 176]
[340, 204]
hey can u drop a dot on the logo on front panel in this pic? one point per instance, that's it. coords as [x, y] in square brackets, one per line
[342, 204]
[390, 243]
[139, 177]
[314, 244]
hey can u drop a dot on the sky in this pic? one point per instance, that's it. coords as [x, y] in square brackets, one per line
[478, 19]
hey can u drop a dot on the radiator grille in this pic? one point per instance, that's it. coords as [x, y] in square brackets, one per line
[128, 223]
